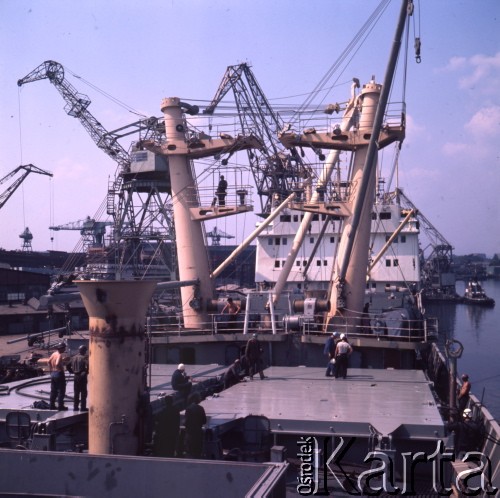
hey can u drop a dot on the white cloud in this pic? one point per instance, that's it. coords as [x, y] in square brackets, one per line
[485, 123]
[479, 72]
[485, 70]
[454, 64]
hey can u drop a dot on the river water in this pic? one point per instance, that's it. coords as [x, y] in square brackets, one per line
[478, 329]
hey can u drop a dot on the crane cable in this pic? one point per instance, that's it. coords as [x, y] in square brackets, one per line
[352, 49]
[418, 43]
[21, 148]
[105, 94]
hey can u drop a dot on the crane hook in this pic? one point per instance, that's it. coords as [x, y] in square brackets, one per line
[418, 44]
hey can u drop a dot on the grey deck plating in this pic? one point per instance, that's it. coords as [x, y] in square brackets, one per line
[296, 400]
[303, 401]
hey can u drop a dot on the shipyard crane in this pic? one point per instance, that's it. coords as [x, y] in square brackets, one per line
[137, 196]
[215, 234]
[276, 170]
[27, 237]
[438, 274]
[77, 106]
[27, 169]
[92, 231]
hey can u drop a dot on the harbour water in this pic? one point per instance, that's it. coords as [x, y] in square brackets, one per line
[478, 329]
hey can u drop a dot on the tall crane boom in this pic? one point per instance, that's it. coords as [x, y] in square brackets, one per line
[275, 169]
[138, 196]
[433, 233]
[77, 106]
[92, 231]
[215, 234]
[28, 168]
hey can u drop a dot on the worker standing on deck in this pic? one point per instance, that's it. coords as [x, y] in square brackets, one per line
[79, 367]
[231, 309]
[463, 394]
[469, 434]
[329, 351]
[253, 354]
[57, 378]
[167, 430]
[342, 352]
[221, 191]
[195, 419]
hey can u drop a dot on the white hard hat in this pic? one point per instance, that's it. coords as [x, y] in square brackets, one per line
[181, 366]
[342, 336]
[467, 412]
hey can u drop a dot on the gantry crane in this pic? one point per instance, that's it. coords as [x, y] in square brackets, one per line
[27, 168]
[215, 234]
[276, 169]
[27, 237]
[437, 272]
[138, 196]
[92, 231]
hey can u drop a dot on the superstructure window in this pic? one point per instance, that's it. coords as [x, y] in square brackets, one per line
[385, 216]
[403, 239]
[332, 240]
[395, 262]
[284, 241]
[269, 242]
[318, 262]
[295, 217]
[277, 241]
[387, 262]
[286, 217]
[276, 264]
[311, 240]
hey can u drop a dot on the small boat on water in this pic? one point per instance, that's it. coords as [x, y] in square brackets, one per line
[474, 294]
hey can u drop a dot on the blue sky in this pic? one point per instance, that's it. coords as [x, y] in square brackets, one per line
[141, 52]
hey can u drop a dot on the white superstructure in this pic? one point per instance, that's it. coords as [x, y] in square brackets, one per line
[312, 270]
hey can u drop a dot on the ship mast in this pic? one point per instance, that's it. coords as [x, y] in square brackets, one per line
[349, 280]
[188, 212]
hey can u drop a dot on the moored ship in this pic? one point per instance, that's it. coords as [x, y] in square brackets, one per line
[392, 403]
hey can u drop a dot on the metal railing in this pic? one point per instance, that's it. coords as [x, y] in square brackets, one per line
[279, 323]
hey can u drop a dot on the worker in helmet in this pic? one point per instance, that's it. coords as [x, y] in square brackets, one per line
[329, 351]
[79, 367]
[181, 382]
[342, 352]
[469, 434]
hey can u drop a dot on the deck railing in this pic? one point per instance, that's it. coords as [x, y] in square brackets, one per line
[407, 330]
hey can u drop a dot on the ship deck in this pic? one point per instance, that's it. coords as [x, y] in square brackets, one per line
[300, 400]
[296, 400]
